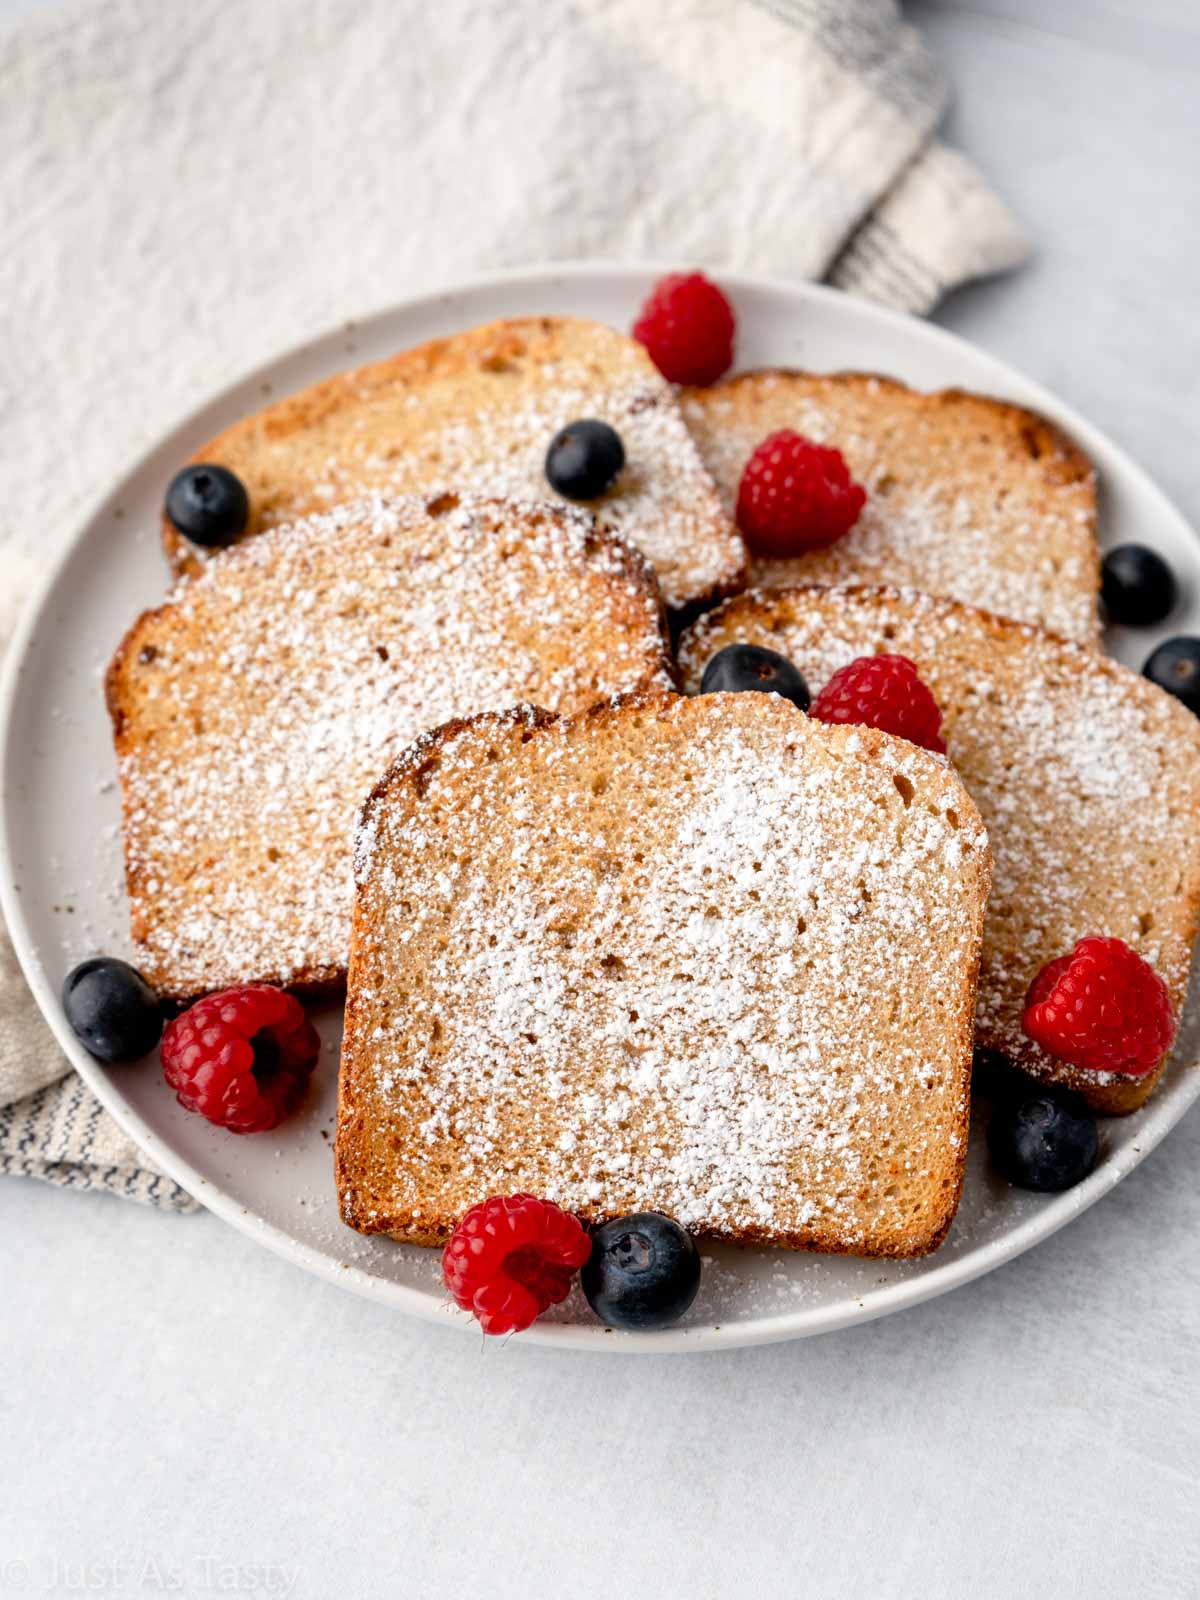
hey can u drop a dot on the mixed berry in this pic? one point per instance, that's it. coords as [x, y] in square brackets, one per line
[687, 326]
[112, 1010]
[1137, 586]
[884, 692]
[796, 495]
[241, 1058]
[514, 1256]
[584, 459]
[208, 504]
[742, 668]
[1103, 1008]
[1045, 1139]
[1175, 667]
[643, 1271]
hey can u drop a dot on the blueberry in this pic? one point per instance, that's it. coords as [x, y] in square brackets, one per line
[1175, 667]
[995, 1075]
[1044, 1140]
[584, 459]
[1138, 585]
[643, 1271]
[749, 666]
[208, 504]
[113, 1010]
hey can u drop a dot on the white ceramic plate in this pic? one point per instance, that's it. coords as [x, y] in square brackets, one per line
[60, 868]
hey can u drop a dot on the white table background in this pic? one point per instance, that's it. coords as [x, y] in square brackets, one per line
[175, 1399]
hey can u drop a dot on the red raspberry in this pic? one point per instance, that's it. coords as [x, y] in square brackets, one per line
[796, 495]
[241, 1058]
[1102, 1008]
[687, 328]
[883, 692]
[512, 1256]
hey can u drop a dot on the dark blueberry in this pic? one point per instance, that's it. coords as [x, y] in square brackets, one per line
[1044, 1140]
[1138, 586]
[749, 666]
[1175, 667]
[208, 505]
[113, 1010]
[584, 459]
[643, 1271]
[994, 1074]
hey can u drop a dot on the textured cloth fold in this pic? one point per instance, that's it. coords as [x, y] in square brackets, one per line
[63, 1135]
[187, 190]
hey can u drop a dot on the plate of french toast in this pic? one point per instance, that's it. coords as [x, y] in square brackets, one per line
[623, 807]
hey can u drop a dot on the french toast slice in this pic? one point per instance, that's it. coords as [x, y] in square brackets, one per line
[701, 956]
[475, 413]
[1087, 777]
[968, 497]
[253, 712]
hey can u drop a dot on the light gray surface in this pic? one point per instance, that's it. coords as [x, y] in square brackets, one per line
[175, 1395]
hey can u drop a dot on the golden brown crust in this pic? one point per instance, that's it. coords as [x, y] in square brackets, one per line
[1033, 434]
[332, 630]
[369, 1199]
[475, 412]
[969, 496]
[953, 645]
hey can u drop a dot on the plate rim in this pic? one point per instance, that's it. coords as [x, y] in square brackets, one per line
[1159, 1117]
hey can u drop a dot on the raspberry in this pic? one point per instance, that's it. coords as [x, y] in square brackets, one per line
[796, 495]
[883, 692]
[1102, 1008]
[241, 1058]
[687, 328]
[512, 1256]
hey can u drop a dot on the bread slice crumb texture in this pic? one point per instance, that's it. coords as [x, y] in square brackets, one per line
[1087, 776]
[701, 956]
[968, 497]
[253, 712]
[475, 413]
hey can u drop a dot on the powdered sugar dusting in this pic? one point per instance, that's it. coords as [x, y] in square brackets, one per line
[1088, 777]
[1024, 551]
[475, 414]
[695, 975]
[260, 706]
[680, 529]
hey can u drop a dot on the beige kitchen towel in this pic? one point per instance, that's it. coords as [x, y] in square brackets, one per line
[189, 186]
